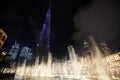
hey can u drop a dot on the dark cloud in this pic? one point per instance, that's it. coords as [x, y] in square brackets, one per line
[101, 19]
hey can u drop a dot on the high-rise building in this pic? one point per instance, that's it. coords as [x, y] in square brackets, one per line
[25, 54]
[3, 37]
[43, 45]
[14, 53]
[86, 48]
[91, 47]
[104, 47]
[14, 50]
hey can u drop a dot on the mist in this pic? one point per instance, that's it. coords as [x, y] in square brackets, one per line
[100, 18]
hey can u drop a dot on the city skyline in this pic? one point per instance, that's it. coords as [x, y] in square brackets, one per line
[70, 21]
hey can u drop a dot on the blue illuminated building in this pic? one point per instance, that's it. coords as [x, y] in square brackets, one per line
[44, 40]
[14, 52]
[18, 54]
[25, 54]
[42, 47]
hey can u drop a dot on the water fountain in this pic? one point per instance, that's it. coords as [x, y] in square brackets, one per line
[94, 67]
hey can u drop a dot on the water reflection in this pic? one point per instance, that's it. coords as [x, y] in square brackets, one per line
[40, 78]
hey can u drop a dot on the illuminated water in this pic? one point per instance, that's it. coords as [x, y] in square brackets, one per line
[94, 67]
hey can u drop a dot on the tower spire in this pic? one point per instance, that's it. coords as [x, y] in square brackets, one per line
[44, 40]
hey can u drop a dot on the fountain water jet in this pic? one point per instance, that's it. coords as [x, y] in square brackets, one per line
[92, 67]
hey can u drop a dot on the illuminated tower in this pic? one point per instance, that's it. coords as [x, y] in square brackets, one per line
[44, 40]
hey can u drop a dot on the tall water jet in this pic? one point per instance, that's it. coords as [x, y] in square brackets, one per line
[75, 68]
[90, 67]
[96, 67]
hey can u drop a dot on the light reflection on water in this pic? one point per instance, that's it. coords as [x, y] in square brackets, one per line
[39, 78]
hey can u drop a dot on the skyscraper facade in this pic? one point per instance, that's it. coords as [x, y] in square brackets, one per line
[14, 50]
[43, 45]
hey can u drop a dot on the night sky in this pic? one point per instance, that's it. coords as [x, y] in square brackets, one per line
[22, 20]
